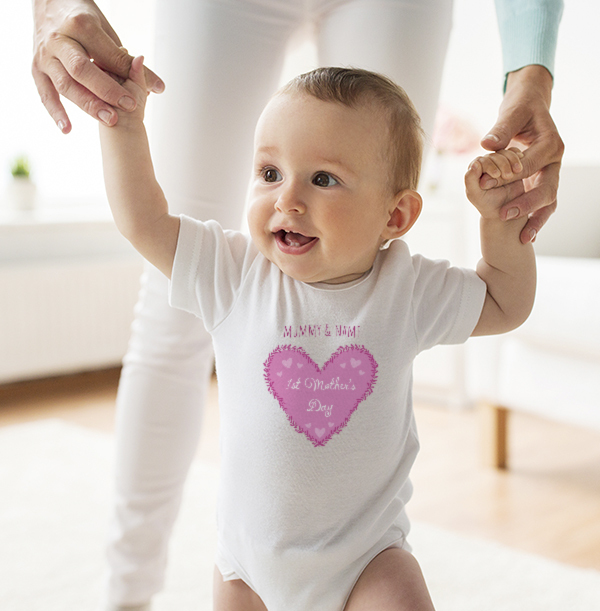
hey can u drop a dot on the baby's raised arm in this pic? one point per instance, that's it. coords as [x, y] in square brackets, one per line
[507, 266]
[137, 202]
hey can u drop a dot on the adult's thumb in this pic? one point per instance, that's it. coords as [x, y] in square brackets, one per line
[497, 138]
[510, 122]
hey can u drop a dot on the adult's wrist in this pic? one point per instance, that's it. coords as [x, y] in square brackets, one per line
[534, 78]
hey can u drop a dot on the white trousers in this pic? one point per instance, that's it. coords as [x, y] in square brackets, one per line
[221, 61]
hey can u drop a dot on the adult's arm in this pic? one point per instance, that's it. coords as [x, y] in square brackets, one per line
[529, 31]
[67, 35]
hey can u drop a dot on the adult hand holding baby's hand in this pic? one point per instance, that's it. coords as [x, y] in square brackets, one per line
[502, 165]
[524, 118]
[68, 34]
[136, 87]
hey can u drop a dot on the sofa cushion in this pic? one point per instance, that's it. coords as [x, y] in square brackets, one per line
[566, 314]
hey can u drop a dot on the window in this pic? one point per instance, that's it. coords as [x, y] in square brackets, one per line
[67, 169]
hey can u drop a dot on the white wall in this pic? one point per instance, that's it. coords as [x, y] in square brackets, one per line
[67, 168]
[64, 167]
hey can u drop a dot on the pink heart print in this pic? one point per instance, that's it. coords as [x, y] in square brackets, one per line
[320, 401]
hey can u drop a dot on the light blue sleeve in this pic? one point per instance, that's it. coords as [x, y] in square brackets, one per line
[528, 30]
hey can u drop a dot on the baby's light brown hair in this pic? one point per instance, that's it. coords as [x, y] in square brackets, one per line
[354, 87]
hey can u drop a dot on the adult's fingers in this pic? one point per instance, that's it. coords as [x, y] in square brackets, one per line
[545, 150]
[107, 52]
[542, 194]
[502, 196]
[51, 100]
[66, 86]
[62, 67]
[89, 35]
[544, 147]
[536, 221]
[92, 77]
[508, 125]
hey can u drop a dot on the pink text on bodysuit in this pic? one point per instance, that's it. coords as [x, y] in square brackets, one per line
[316, 384]
[322, 331]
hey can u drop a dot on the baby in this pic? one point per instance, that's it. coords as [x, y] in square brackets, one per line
[316, 320]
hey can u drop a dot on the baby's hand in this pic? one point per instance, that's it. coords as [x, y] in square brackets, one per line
[506, 164]
[136, 86]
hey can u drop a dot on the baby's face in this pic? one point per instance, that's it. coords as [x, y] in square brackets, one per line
[320, 198]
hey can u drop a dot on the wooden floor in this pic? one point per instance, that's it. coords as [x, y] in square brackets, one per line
[547, 503]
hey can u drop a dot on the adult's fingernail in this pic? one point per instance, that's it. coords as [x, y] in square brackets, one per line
[104, 116]
[532, 235]
[517, 167]
[492, 137]
[513, 213]
[61, 125]
[490, 183]
[127, 103]
[158, 87]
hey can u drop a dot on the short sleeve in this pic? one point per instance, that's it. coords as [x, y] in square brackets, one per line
[209, 269]
[447, 302]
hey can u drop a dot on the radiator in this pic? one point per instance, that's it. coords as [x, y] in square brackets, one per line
[65, 316]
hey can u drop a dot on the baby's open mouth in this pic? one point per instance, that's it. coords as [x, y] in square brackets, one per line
[292, 242]
[293, 239]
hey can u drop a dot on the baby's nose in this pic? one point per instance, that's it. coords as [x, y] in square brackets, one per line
[291, 200]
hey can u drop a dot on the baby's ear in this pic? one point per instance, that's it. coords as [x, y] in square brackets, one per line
[404, 214]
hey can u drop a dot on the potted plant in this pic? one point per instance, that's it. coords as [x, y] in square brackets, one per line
[22, 190]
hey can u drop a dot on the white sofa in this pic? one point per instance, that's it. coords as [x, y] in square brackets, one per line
[550, 366]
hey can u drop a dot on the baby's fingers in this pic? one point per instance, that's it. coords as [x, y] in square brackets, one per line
[500, 165]
[491, 197]
[136, 72]
[136, 80]
[503, 166]
[473, 176]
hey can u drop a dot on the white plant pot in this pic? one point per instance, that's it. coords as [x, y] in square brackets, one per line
[21, 193]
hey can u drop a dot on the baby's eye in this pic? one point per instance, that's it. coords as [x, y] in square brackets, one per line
[271, 175]
[322, 179]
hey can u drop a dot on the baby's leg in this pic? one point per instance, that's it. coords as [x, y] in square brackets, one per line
[392, 581]
[234, 595]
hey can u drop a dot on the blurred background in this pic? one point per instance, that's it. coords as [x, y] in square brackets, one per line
[69, 281]
[67, 169]
[71, 221]
[67, 238]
